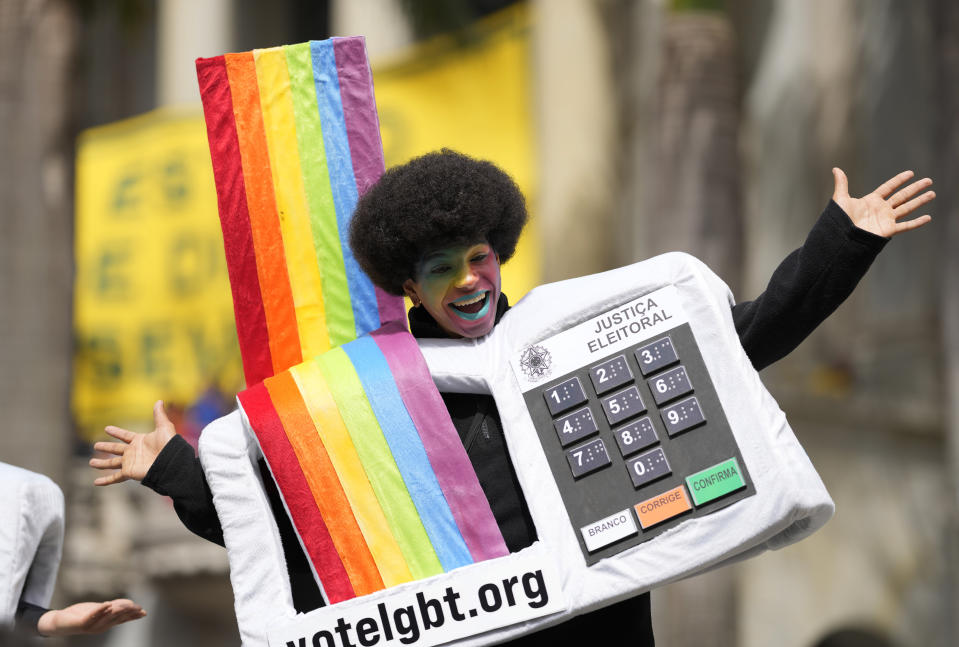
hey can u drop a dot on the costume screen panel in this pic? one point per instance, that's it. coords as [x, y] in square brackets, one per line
[631, 425]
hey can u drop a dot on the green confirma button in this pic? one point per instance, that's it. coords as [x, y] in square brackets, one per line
[716, 481]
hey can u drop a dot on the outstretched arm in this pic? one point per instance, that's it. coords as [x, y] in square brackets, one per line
[165, 463]
[816, 278]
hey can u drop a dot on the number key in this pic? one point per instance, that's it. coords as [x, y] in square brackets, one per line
[565, 395]
[587, 458]
[670, 385]
[636, 436]
[648, 467]
[576, 425]
[610, 374]
[625, 404]
[656, 355]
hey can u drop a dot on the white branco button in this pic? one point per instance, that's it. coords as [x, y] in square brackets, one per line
[606, 531]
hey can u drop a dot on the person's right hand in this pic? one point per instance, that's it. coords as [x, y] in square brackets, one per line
[134, 455]
[88, 617]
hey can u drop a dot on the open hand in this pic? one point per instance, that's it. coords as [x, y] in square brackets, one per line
[134, 455]
[881, 211]
[88, 617]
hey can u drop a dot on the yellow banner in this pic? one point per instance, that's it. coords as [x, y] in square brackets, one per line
[153, 311]
[153, 314]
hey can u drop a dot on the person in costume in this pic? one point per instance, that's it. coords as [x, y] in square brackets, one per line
[437, 229]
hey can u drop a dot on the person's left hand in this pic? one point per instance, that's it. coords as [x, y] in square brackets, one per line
[88, 617]
[881, 211]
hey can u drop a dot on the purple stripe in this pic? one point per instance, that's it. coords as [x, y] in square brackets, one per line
[445, 451]
[363, 133]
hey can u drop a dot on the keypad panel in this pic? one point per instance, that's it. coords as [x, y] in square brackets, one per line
[661, 412]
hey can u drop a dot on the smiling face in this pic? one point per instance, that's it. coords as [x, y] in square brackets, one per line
[459, 287]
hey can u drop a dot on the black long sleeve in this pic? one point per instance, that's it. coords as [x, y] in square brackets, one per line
[806, 287]
[177, 473]
[26, 618]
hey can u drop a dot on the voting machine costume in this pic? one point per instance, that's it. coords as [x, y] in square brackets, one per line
[645, 445]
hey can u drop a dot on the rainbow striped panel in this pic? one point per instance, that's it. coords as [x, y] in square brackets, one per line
[294, 140]
[370, 466]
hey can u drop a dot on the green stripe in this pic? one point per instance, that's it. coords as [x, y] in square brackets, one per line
[379, 464]
[319, 196]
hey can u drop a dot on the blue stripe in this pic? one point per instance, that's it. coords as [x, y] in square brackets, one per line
[342, 180]
[408, 452]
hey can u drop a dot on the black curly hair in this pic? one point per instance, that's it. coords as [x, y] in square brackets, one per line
[441, 199]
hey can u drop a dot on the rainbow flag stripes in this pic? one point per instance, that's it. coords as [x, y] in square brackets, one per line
[374, 475]
[294, 140]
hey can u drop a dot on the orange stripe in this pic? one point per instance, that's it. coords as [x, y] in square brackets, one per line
[270, 255]
[326, 488]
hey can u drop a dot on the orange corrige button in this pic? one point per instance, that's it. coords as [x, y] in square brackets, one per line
[662, 507]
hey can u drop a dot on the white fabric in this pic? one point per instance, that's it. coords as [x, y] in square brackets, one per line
[31, 539]
[790, 500]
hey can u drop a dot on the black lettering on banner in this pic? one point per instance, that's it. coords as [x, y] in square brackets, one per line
[426, 606]
[508, 585]
[450, 598]
[364, 629]
[405, 620]
[410, 621]
[176, 183]
[490, 590]
[126, 195]
[343, 628]
[110, 274]
[537, 596]
[155, 343]
[100, 354]
[324, 636]
[385, 619]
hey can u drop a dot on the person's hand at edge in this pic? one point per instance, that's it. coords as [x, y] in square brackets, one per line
[88, 617]
[134, 455]
[881, 211]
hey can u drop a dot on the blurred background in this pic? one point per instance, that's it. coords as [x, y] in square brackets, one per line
[634, 127]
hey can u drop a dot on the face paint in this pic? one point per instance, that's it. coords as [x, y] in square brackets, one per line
[459, 287]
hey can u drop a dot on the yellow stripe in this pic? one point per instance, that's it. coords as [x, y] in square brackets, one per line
[369, 515]
[276, 103]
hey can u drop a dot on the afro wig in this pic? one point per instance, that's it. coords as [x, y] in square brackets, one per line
[442, 199]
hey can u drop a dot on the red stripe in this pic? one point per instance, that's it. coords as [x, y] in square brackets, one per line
[296, 491]
[234, 218]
